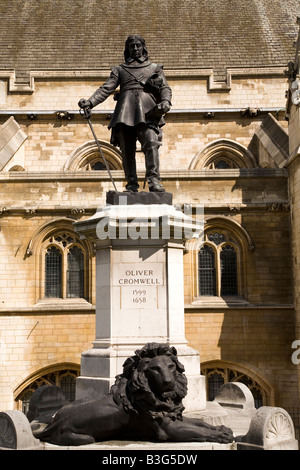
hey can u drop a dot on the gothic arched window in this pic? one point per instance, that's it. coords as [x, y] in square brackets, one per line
[64, 267]
[218, 265]
[217, 376]
[64, 378]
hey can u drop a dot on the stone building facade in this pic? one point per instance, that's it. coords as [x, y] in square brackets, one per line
[228, 146]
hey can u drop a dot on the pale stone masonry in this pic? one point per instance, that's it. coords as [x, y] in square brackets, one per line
[229, 104]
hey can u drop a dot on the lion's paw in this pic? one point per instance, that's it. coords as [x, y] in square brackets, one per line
[224, 435]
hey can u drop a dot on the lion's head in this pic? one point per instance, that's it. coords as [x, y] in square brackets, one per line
[152, 382]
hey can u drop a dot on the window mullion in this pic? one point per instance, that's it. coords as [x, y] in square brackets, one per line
[218, 273]
[64, 274]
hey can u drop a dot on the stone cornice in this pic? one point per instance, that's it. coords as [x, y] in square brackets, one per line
[197, 307]
[183, 174]
[76, 213]
[59, 307]
[186, 73]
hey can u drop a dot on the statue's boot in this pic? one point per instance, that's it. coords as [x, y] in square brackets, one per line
[129, 165]
[152, 170]
[132, 185]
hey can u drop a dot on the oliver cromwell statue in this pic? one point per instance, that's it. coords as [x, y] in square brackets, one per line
[144, 98]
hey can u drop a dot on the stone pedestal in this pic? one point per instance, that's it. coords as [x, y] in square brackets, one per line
[139, 292]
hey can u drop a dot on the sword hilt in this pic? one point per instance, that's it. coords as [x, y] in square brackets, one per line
[85, 112]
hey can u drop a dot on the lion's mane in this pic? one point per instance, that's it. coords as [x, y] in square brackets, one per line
[132, 390]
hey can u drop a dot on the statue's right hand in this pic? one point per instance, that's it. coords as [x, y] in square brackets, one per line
[84, 103]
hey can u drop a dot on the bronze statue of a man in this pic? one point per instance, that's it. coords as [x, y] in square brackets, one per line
[144, 98]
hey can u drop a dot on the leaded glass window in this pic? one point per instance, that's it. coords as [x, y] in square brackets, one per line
[65, 261]
[207, 271]
[222, 165]
[219, 265]
[228, 270]
[67, 383]
[75, 273]
[53, 272]
[215, 381]
[97, 165]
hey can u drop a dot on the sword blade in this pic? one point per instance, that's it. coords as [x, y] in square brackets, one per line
[101, 153]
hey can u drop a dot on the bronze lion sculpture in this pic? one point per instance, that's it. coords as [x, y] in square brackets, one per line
[145, 403]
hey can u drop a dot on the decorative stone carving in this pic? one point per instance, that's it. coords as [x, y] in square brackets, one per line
[3, 211]
[209, 115]
[30, 213]
[290, 73]
[279, 427]
[8, 438]
[295, 92]
[64, 115]
[216, 237]
[77, 211]
[270, 429]
[15, 432]
[250, 112]
[278, 207]
[32, 116]
[233, 209]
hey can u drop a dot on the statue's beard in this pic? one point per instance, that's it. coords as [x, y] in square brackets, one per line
[140, 59]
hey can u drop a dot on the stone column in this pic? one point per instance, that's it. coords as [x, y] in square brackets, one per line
[139, 293]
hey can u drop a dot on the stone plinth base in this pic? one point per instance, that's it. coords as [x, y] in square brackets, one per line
[139, 289]
[115, 198]
[129, 446]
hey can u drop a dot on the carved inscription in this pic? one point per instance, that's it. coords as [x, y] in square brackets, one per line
[139, 285]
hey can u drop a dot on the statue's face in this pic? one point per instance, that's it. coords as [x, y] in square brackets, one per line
[136, 49]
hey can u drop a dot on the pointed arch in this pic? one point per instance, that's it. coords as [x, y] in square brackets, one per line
[24, 381]
[257, 379]
[42, 239]
[88, 154]
[46, 230]
[53, 374]
[229, 151]
[232, 226]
